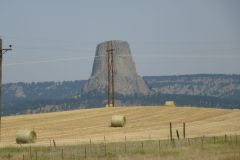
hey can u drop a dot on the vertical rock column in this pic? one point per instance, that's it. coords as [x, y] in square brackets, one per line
[126, 79]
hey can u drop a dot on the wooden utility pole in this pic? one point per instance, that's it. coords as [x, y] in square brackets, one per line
[109, 80]
[2, 51]
[111, 96]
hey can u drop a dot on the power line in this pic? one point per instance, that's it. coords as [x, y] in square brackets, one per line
[124, 56]
[190, 49]
[50, 61]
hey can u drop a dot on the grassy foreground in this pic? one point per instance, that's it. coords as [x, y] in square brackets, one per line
[207, 148]
[86, 134]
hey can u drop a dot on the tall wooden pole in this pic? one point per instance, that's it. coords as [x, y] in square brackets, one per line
[1, 55]
[2, 51]
[113, 97]
[108, 48]
[110, 74]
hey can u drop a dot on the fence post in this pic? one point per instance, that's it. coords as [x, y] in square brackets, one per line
[236, 138]
[105, 148]
[174, 143]
[30, 152]
[225, 138]
[184, 133]
[125, 144]
[90, 145]
[177, 134]
[159, 146]
[202, 140]
[9, 156]
[85, 153]
[54, 144]
[214, 139]
[50, 142]
[23, 157]
[171, 131]
[36, 155]
[62, 154]
[142, 146]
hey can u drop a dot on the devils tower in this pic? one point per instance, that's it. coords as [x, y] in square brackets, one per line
[127, 81]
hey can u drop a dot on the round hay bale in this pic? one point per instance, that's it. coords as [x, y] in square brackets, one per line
[170, 104]
[110, 105]
[118, 121]
[26, 136]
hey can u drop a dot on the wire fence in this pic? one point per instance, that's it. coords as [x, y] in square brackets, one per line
[104, 150]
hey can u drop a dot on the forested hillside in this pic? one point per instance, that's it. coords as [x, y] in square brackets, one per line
[219, 85]
[203, 90]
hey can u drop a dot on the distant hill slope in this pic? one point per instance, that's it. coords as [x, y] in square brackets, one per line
[219, 85]
[42, 90]
[203, 90]
[78, 126]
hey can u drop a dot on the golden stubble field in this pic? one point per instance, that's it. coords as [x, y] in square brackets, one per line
[79, 126]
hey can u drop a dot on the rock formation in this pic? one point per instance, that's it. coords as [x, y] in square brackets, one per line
[127, 81]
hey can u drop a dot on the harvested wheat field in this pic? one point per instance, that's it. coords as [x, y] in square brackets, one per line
[79, 126]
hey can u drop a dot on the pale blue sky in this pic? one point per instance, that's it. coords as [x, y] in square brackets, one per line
[55, 40]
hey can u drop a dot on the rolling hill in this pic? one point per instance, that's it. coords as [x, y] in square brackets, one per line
[79, 126]
[203, 90]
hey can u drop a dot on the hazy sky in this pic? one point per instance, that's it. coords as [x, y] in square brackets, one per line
[55, 40]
